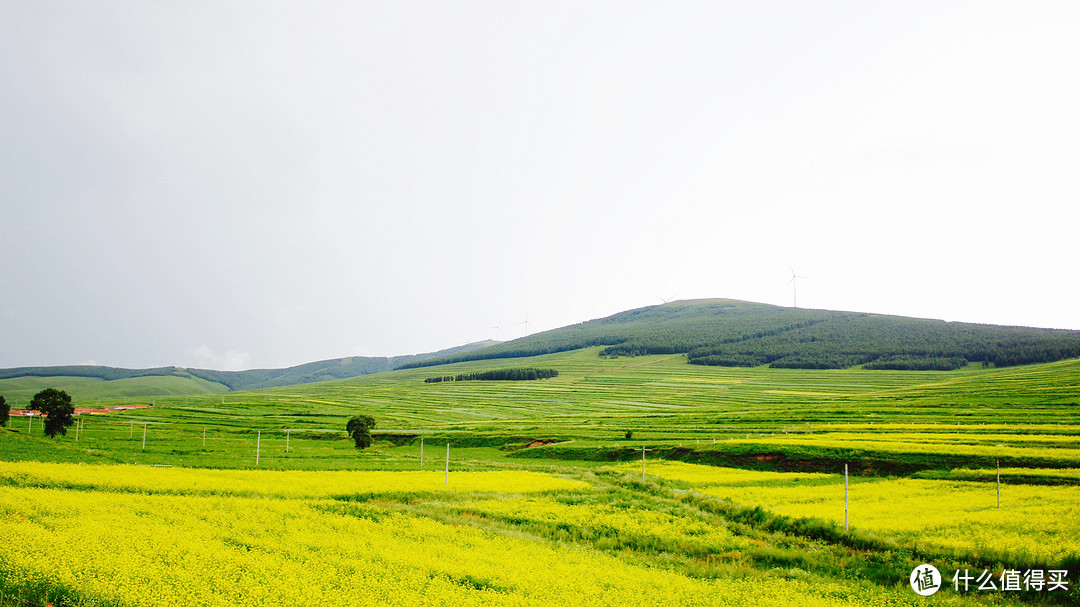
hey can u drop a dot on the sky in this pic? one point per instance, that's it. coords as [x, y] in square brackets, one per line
[237, 185]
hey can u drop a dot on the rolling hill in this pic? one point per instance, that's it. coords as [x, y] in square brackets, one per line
[733, 333]
[88, 381]
[714, 332]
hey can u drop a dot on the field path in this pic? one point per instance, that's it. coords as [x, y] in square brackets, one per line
[649, 362]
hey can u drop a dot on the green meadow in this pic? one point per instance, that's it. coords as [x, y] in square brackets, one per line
[903, 421]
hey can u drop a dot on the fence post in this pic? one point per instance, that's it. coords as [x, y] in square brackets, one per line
[997, 462]
[643, 450]
[846, 528]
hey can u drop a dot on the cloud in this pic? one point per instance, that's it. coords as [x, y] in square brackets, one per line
[224, 361]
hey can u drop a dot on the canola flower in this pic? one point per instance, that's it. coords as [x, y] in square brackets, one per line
[1048, 474]
[108, 548]
[1035, 522]
[276, 483]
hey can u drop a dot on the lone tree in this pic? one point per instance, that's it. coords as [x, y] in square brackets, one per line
[359, 427]
[5, 412]
[57, 408]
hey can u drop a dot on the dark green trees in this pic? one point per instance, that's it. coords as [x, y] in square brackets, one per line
[57, 408]
[5, 412]
[498, 375]
[359, 427]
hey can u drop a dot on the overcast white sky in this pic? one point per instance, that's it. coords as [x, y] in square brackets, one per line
[254, 184]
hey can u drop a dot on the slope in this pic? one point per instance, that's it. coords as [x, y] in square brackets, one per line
[19, 390]
[725, 332]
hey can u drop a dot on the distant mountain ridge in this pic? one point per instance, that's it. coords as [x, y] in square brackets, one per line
[252, 379]
[728, 332]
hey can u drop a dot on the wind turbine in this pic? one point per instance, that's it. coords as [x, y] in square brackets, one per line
[666, 300]
[794, 287]
[526, 323]
[496, 327]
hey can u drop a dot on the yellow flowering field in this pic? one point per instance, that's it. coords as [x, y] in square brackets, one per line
[110, 548]
[1035, 522]
[1062, 475]
[276, 483]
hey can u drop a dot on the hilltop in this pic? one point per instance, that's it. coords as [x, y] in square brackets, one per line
[714, 332]
[725, 332]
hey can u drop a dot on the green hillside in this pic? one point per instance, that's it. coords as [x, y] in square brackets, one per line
[730, 333]
[91, 382]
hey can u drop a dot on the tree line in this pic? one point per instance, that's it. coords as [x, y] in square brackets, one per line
[522, 374]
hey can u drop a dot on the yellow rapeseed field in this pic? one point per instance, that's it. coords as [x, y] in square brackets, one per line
[1035, 522]
[140, 546]
[276, 483]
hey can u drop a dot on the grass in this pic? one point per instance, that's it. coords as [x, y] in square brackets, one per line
[897, 422]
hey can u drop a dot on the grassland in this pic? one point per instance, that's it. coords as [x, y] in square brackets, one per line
[888, 421]
[778, 439]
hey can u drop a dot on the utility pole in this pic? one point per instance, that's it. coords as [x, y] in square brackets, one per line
[144, 437]
[258, 447]
[421, 452]
[447, 463]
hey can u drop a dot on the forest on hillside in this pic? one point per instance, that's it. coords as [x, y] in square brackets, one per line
[735, 333]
